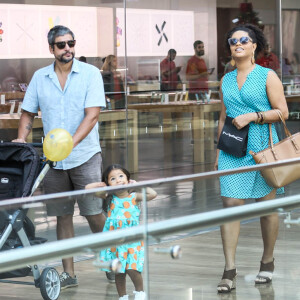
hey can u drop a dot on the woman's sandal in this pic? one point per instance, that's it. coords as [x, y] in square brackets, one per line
[228, 282]
[265, 273]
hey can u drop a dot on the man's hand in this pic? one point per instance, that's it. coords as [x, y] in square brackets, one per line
[18, 141]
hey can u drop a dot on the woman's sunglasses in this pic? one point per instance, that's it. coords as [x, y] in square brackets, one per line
[62, 45]
[243, 40]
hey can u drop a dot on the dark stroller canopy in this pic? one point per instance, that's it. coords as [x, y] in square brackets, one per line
[20, 159]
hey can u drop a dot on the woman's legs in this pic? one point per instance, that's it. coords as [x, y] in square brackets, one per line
[269, 230]
[121, 284]
[137, 279]
[230, 234]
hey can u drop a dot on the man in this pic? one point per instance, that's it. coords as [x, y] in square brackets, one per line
[268, 59]
[169, 72]
[196, 72]
[69, 94]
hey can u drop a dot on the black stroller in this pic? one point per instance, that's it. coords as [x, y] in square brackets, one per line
[19, 170]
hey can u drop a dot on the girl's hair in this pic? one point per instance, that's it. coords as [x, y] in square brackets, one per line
[107, 65]
[107, 200]
[254, 33]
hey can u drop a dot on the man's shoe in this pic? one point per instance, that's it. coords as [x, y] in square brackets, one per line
[110, 277]
[66, 281]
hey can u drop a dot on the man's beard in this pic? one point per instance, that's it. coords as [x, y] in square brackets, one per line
[65, 60]
[200, 53]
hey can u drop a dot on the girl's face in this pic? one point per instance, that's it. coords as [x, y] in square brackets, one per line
[117, 177]
[242, 49]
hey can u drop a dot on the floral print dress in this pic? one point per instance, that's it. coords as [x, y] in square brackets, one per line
[124, 213]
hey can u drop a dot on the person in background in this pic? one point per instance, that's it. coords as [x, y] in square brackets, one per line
[69, 94]
[197, 72]
[295, 63]
[113, 83]
[82, 58]
[123, 212]
[229, 67]
[268, 59]
[169, 72]
[286, 67]
[249, 95]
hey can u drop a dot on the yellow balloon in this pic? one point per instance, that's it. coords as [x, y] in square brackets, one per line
[58, 144]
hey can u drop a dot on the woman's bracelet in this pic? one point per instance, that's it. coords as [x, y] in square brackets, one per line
[258, 118]
[261, 117]
[263, 120]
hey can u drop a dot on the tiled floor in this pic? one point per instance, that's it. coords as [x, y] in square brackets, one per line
[196, 274]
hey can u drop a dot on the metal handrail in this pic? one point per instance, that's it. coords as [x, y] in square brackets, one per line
[34, 201]
[11, 260]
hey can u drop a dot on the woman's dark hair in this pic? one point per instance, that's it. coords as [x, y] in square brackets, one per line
[254, 33]
[107, 200]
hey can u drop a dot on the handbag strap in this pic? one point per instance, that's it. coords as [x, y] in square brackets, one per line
[287, 133]
[286, 130]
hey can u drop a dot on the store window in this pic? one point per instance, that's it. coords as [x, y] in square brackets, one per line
[149, 52]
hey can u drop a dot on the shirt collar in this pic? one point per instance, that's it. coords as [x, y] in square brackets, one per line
[50, 70]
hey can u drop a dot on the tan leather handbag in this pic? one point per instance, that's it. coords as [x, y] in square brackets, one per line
[288, 148]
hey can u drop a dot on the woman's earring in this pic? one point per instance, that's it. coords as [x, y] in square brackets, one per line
[253, 59]
[232, 62]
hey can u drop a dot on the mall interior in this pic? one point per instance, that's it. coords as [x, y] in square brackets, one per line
[162, 131]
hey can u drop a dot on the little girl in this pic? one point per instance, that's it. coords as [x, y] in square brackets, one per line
[123, 212]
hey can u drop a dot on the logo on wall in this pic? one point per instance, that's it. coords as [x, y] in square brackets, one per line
[161, 33]
[52, 23]
[1, 31]
[119, 32]
[24, 32]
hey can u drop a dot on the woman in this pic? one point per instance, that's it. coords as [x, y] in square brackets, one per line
[249, 94]
[113, 83]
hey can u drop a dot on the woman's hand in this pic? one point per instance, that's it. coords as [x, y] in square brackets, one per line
[216, 165]
[243, 120]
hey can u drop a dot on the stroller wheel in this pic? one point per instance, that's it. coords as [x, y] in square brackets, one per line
[50, 284]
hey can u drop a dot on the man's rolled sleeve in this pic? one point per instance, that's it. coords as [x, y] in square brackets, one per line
[95, 96]
[30, 101]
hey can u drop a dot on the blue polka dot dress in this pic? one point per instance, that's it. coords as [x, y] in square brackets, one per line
[252, 97]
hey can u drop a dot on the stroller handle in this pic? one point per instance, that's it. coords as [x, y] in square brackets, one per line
[36, 145]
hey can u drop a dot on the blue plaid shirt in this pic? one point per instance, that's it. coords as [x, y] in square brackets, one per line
[65, 108]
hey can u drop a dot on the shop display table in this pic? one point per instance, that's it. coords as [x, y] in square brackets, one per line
[202, 121]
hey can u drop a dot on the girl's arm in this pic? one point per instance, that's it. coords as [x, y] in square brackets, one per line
[150, 193]
[95, 185]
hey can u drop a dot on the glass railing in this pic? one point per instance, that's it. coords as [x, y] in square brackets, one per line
[184, 218]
